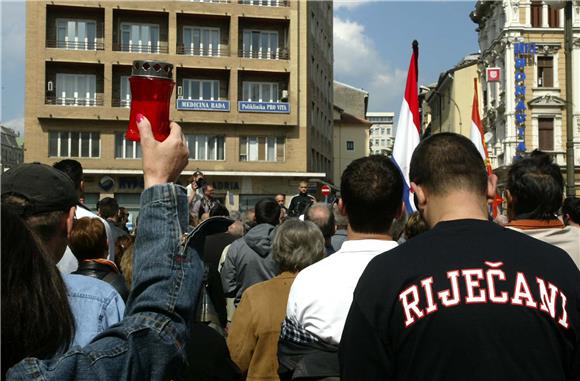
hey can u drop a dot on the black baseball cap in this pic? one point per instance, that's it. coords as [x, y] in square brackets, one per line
[45, 188]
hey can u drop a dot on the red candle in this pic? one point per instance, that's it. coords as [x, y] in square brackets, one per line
[151, 89]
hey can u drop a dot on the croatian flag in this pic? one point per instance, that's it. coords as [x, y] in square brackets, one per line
[477, 137]
[477, 130]
[408, 129]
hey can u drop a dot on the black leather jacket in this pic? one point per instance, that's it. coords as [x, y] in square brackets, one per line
[105, 273]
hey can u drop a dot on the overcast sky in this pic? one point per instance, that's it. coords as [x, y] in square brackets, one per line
[372, 48]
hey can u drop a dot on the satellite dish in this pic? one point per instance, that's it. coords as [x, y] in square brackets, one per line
[487, 136]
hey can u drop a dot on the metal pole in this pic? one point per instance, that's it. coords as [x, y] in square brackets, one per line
[568, 42]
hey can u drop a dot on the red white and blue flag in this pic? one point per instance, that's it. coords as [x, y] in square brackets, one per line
[477, 129]
[408, 129]
[478, 138]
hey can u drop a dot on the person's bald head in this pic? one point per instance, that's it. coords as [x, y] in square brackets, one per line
[323, 217]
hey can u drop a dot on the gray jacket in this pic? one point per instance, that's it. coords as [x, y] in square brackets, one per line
[249, 261]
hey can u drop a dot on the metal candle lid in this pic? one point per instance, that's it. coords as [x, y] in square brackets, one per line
[152, 69]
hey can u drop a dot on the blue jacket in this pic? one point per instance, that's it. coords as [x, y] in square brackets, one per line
[149, 343]
[94, 304]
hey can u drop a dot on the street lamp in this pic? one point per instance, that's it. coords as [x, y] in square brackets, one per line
[441, 96]
[568, 42]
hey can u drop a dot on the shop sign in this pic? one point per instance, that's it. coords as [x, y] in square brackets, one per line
[131, 182]
[523, 53]
[266, 107]
[226, 185]
[493, 74]
[202, 105]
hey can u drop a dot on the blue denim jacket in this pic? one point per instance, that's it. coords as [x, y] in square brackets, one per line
[149, 343]
[95, 304]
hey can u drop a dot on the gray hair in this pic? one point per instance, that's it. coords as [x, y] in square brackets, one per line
[236, 215]
[297, 244]
[322, 216]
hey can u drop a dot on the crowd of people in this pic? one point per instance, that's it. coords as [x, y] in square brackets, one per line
[354, 290]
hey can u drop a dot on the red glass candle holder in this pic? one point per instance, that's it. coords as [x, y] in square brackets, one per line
[151, 89]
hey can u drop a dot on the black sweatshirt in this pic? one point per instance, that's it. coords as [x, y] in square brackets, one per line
[463, 302]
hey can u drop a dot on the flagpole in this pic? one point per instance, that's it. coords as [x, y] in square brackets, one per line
[408, 133]
[415, 46]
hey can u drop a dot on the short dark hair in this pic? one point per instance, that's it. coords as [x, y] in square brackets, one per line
[267, 211]
[536, 186]
[88, 239]
[108, 207]
[219, 210]
[571, 208]
[324, 220]
[73, 169]
[448, 161]
[374, 184]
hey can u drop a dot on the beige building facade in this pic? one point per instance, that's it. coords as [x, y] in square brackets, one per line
[351, 129]
[351, 140]
[253, 90]
[451, 100]
[524, 42]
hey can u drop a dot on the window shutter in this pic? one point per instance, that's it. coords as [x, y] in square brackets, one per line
[546, 134]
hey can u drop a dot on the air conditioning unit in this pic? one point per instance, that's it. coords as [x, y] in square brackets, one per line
[50, 86]
[284, 96]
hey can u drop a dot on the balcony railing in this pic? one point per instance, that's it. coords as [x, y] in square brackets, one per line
[211, 1]
[266, 3]
[203, 52]
[97, 100]
[125, 103]
[280, 54]
[75, 45]
[140, 48]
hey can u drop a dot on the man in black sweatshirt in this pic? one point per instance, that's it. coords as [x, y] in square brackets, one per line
[467, 300]
[301, 201]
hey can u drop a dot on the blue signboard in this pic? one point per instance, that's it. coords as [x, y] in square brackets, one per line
[270, 107]
[202, 105]
[522, 53]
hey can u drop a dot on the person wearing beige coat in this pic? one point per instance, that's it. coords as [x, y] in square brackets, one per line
[253, 335]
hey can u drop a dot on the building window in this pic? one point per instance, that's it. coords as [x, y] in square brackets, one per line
[76, 34]
[388, 131]
[382, 130]
[74, 144]
[350, 144]
[261, 148]
[140, 38]
[260, 44]
[125, 88]
[546, 134]
[76, 89]
[208, 90]
[553, 17]
[126, 149]
[261, 92]
[263, 3]
[202, 147]
[536, 13]
[545, 71]
[199, 41]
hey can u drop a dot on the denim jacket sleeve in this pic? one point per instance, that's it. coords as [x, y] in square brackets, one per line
[149, 343]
